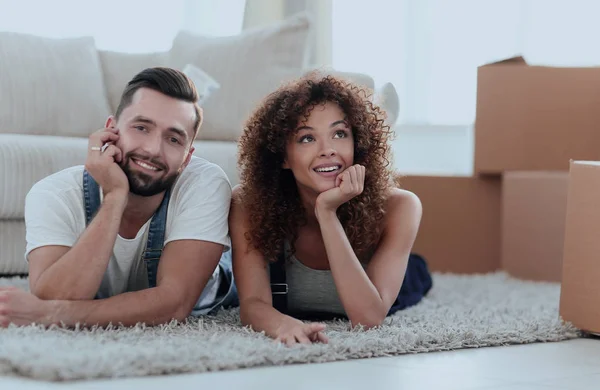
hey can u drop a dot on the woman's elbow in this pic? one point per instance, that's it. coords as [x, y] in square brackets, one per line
[367, 321]
[366, 324]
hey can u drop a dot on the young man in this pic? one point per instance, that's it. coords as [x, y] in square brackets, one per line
[138, 234]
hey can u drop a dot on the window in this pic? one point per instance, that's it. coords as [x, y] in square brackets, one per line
[430, 49]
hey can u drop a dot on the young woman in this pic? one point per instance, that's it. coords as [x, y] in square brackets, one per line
[318, 229]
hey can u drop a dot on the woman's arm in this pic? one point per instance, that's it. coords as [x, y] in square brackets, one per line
[368, 296]
[251, 274]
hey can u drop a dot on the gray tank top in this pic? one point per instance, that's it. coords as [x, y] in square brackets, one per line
[311, 289]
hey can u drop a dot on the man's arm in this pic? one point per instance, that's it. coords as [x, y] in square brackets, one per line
[194, 245]
[59, 272]
[55, 271]
[183, 272]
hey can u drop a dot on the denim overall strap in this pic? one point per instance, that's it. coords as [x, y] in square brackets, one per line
[91, 201]
[156, 240]
[280, 289]
[279, 286]
[91, 196]
[156, 234]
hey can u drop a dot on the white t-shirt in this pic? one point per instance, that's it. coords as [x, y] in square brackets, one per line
[198, 210]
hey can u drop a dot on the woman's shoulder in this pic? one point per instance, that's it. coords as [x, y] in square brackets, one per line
[237, 208]
[402, 214]
[238, 194]
[402, 208]
[402, 199]
[237, 191]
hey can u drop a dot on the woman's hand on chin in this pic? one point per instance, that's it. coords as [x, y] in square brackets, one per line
[348, 185]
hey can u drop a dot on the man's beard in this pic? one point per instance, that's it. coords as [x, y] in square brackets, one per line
[143, 184]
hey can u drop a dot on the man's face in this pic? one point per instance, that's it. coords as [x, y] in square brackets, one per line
[155, 135]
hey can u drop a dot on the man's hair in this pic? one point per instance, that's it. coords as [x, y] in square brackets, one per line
[168, 81]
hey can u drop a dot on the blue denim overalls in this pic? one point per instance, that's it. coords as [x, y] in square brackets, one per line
[227, 296]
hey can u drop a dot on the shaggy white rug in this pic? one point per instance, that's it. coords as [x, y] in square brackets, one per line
[459, 312]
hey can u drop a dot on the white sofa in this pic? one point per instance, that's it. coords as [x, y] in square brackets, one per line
[54, 93]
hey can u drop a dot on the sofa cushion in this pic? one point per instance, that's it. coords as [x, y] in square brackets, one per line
[119, 68]
[204, 83]
[50, 86]
[222, 153]
[12, 247]
[26, 159]
[248, 66]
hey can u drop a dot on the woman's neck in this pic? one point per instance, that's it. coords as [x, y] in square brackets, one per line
[308, 201]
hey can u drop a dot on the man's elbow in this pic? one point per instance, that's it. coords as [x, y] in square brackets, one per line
[47, 293]
[181, 314]
[174, 312]
[43, 294]
[181, 310]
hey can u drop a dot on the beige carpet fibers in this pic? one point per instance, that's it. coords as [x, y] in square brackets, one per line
[459, 312]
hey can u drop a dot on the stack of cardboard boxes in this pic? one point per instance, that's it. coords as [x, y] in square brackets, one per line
[531, 208]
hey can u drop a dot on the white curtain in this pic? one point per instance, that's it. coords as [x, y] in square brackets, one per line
[430, 49]
[122, 25]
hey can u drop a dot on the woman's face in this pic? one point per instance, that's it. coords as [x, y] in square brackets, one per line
[321, 149]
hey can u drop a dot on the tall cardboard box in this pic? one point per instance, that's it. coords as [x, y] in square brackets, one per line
[534, 207]
[460, 227]
[580, 288]
[535, 117]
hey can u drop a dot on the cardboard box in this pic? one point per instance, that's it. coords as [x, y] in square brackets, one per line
[580, 289]
[460, 227]
[535, 117]
[534, 207]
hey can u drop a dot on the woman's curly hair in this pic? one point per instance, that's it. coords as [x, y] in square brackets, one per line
[269, 193]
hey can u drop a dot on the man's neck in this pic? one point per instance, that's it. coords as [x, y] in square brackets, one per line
[138, 211]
